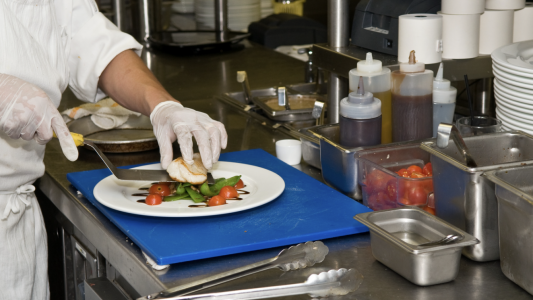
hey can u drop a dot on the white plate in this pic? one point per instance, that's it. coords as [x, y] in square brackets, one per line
[513, 90]
[517, 56]
[511, 71]
[514, 103]
[263, 185]
[502, 78]
[500, 73]
[511, 119]
[524, 115]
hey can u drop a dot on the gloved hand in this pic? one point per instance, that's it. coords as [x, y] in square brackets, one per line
[26, 112]
[172, 121]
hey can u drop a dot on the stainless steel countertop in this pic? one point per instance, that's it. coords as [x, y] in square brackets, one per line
[195, 79]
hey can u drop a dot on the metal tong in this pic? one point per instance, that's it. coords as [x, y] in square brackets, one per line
[332, 283]
[444, 131]
[296, 257]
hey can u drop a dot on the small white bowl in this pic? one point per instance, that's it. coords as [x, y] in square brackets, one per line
[289, 151]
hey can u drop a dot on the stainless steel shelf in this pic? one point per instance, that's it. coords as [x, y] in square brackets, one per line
[341, 60]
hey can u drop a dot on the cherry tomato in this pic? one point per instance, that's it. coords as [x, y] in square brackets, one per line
[228, 192]
[380, 201]
[414, 168]
[239, 184]
[429, 210]
[427, 170]
[376, 181]
[417, 196]
[154, 199]
[417, 175]
[404, 173]
[391, 189]
[405, 201]
[216, 200]
[159, 189]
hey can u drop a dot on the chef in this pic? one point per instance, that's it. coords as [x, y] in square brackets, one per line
[46, 45]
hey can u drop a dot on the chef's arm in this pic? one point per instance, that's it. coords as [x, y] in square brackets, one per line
[128, 81]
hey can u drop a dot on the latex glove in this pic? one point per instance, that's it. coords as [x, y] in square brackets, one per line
[26, 112]
[172, 121]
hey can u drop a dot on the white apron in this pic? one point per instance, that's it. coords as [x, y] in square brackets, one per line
[48, 43]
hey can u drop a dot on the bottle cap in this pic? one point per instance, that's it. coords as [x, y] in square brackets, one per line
[360, 105]
[369, 65]
[412, 66]
[443, 92]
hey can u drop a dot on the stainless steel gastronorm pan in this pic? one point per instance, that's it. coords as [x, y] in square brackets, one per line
[514, 191]
[395, 235]
[466, 199]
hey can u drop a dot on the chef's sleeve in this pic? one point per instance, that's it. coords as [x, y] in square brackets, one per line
[94, 42]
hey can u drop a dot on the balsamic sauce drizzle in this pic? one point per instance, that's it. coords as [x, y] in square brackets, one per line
[241, 192]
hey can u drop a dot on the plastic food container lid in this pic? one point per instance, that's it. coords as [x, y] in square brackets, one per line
[369, 65]
[412, 66]
[360, 105]
[443, 92]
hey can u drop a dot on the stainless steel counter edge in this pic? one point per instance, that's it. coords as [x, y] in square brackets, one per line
[127, 261]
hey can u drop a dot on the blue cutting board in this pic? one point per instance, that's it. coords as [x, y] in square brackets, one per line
[307, 210]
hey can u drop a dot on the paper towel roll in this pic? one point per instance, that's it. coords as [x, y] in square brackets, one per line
[496, 30]
[422, 33]
[523, 24]
[505, 4]
[460, 35]
[463, 7]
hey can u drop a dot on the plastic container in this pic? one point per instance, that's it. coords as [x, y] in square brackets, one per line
[444, 96]
[376, 79]
[412, 101]
[360, 119]
[395, 238]
[384, 189]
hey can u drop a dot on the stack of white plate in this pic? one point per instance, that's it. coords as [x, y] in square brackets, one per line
[240, 14]
[266, 8]
[183, 6]
[512, 66]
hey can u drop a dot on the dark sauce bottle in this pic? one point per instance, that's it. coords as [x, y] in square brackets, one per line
[412, 101]
[360, 119]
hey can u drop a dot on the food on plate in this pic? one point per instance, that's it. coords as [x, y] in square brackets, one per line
[239, 184]
[154, 199]
[180, 171]
[223, 188]
[228, 192]
[216, 200]
[160, 189]
[414, 186]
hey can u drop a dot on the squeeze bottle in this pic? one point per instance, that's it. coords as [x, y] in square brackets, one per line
[412, 103]
[377, 81]
[443, 100]
[360, 119]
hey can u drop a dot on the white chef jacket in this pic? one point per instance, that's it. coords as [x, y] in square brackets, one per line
[51, 44]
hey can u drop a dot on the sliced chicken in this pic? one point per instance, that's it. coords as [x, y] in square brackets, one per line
[180, 171]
